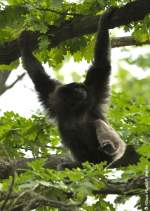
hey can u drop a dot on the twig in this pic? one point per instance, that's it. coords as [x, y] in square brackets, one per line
[40, 200]
[9, 193]
[18, 79]
[5, 88]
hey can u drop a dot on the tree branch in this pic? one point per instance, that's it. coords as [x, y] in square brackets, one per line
[4, 88]
[20, 77]
[3, 78]
[128, 189]
[30, 199]
[78, 26]
[7, 168]
[127, 41]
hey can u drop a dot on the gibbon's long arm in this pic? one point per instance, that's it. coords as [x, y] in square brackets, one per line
[43, 83]
[97, 77]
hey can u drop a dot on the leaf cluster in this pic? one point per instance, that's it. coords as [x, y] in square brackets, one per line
[34, 137]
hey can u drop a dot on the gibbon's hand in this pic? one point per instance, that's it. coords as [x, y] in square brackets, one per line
[106, 16]
[25, 40]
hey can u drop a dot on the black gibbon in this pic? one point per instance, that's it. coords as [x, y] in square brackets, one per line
[78, 107]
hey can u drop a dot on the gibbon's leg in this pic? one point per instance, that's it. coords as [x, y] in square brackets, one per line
[109, 140]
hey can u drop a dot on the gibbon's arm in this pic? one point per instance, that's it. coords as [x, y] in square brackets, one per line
[43, 83]
[97, 77]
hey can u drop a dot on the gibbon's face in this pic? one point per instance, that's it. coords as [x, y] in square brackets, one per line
[73, 96]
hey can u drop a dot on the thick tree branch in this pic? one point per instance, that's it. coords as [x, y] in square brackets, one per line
[133, 11]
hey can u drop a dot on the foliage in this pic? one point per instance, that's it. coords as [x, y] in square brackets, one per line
[132, 108]
[142, 61]
[20, 136]
[38, 138]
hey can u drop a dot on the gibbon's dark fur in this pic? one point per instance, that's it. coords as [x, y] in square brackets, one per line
[78, 107]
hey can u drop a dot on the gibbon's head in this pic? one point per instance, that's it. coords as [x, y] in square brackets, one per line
[73, 96]
[109, 140]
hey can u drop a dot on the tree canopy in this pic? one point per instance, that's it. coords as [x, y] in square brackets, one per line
[30, 149]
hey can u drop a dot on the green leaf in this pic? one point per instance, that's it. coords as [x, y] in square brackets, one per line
[12, 16]
[11, 66]
[56, 3]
